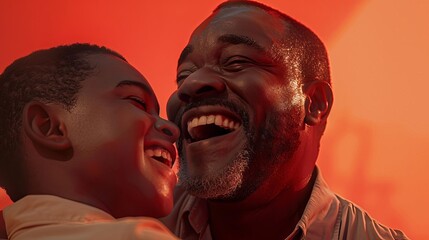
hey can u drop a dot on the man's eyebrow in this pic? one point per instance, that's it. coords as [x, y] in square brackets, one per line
[240, 39]
[142, 86]
[227, 38]
[186, 51]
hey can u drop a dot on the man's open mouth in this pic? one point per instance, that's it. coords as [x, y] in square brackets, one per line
[200, 125]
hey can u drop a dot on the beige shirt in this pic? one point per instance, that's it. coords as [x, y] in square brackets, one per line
[46, 217]
[326, 216]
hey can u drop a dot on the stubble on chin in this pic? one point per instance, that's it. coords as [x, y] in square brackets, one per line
[219, 185]
[245, 173]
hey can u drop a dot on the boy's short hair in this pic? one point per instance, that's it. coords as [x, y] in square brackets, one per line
[50, 76]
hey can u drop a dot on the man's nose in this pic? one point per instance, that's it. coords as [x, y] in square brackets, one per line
[201, 84]
[168, 129]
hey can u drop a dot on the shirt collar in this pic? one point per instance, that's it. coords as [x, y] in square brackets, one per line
[193, 211]
[198, 215]
[321, 211]
[319, 214]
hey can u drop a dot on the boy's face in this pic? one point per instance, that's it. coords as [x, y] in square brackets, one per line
[117, 134]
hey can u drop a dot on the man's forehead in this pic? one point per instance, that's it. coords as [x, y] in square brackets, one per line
[247, 25]
[236, 11]
[248, 21]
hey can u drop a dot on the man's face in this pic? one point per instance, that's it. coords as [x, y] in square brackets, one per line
[239, 107]
[122, 149]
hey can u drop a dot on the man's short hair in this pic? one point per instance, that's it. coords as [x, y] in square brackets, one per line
[301, 44]
[50, 76]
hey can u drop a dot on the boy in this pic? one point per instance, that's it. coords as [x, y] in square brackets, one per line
[82, 144]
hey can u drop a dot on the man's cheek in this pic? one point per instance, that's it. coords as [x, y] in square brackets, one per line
[173, 106]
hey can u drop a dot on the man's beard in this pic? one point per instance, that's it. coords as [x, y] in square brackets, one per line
[219, 185]
[258, 159]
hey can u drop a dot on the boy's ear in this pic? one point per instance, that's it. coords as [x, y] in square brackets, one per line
[41, 123]
[318, 102]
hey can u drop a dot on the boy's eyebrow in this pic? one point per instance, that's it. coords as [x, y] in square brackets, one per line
[138, 84]
[142, 86]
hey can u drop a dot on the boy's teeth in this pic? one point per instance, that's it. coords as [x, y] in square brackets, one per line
[210, 119]
[202, 120]
[218, 120]
[158, 152]
[225, 123]
[149, 152]
[195, 122]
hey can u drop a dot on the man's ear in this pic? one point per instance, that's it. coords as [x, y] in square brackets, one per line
[318, 102]
[42, 125]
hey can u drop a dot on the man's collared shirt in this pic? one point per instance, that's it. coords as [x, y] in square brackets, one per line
[46, 217]
[326, 216]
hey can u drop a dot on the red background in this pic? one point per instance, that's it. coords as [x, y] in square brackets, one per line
[375, 151]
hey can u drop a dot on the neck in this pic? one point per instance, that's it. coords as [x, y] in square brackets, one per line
[273, 219]
[54, 179]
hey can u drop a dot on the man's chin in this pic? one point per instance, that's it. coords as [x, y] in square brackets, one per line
[221, 184]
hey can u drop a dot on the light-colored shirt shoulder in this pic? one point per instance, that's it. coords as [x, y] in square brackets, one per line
[326, 216]
[46, 217]
[355, 223]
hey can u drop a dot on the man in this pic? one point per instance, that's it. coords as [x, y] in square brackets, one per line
[253, 98]
[82, 144]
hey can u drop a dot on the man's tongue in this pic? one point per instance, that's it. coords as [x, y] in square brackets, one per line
[207, 131]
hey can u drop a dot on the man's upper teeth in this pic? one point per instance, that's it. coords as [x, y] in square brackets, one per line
[219, 120]
[158, 152]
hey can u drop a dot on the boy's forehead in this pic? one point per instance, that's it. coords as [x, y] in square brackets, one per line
[111, 73]
[110, 70]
